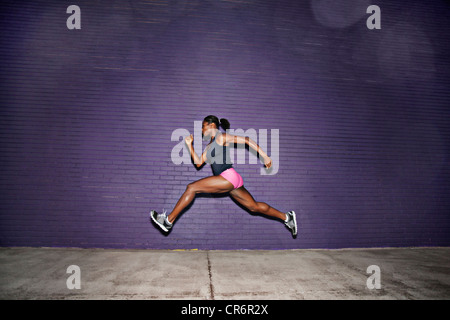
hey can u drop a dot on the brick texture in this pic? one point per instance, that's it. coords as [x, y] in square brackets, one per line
[87, 117]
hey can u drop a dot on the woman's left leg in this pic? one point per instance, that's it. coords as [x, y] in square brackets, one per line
[244, 197]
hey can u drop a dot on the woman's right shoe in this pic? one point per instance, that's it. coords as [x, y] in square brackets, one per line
[161, 220]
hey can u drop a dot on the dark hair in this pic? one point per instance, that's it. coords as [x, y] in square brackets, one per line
[219, 123]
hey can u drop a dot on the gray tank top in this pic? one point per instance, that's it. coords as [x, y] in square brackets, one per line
[218, 156]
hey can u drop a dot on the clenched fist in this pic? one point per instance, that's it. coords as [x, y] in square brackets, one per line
[189, 139]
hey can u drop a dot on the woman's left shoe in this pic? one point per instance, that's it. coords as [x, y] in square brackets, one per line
[291, 222]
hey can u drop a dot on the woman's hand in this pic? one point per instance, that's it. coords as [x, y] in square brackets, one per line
[189, 139]
[267, 162]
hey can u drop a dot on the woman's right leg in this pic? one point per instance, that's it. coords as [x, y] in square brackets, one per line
[213, 184]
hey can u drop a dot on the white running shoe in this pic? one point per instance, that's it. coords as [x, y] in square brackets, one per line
[291, 222]
[161, 220]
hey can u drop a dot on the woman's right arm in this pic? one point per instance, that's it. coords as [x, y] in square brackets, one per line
[197, 161]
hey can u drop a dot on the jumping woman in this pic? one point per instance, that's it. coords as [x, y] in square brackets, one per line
[225, 178]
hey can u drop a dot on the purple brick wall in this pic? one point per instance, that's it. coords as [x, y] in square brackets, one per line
[87, 116]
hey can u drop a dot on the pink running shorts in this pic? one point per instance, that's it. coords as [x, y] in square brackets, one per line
[234, 177]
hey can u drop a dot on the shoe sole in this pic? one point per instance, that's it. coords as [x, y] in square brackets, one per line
[158, 223]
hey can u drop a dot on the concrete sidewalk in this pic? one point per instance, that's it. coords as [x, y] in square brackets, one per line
[406, 273]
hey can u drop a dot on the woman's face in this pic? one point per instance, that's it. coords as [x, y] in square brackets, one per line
[207, 130]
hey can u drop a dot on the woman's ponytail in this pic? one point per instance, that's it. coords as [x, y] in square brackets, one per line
[224, 123]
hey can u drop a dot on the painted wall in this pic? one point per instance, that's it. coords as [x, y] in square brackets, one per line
[87, 118]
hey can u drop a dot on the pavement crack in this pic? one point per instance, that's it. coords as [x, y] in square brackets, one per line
[211, 286]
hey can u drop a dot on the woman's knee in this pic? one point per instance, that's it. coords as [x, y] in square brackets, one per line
[263, 207]
[193, 188]
[190, 187]
[260, 207]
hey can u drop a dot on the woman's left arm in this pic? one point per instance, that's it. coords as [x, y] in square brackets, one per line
[252, 144]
